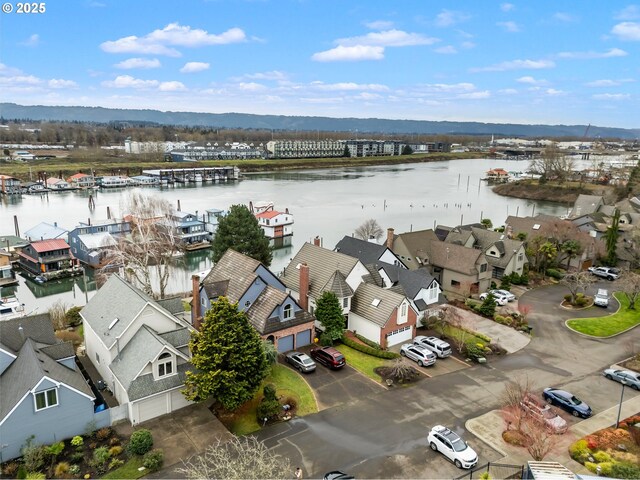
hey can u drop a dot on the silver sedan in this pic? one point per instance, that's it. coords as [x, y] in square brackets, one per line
[631, 379]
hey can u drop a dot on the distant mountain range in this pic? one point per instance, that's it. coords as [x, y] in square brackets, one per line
[11, 111]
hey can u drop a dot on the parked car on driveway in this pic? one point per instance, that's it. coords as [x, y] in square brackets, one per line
[300, 361]
[500, 299]
[544, 414]
[504, 293]
[328, 356]
[417, 353]
[449, 443]
[609, 273]
[567, 401]
[441, 348]
[632, 379]
[338, 475]
[601, 298]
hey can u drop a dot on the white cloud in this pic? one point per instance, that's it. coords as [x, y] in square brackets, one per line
[553, 92]
[475, 95]
[613, 52]
[608, 82]
[531, 81]
[127, 81]
[367, 96]
[508, 91]
[138, 63]
[172, 87]
[60, 83]
[272, 75]
[349, 54]
[379, 25]
[159, 42]
[627, 31]
[611, 96]
[387, 38]
[349, 86]
[447, 50]
[32, 41]
[467, 45]
[632, 12]
[516, 65]
[565, 17]
[193, 67]
[251, 87]
[507, 7]
[462, 87]
[511, 27]
[447, 18]
[5, 70]
[20, 80]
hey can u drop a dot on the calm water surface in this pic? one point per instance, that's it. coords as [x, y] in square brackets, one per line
[327, 203]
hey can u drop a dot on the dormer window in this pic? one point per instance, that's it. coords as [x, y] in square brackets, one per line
[165, 365]
[46, 399]
[288, 312]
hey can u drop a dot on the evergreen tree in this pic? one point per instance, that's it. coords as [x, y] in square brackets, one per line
[611, 240]
[240, 230]
[228, 356]
[329, 313]
[407, 150]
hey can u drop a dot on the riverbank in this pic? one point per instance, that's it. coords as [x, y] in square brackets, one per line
[566, 193]
[130, 165]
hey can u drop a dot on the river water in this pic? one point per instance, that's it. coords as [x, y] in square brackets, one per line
[326, 203]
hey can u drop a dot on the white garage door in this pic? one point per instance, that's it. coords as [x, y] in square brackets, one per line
[178, 401]
[152, 407]
[400, 335]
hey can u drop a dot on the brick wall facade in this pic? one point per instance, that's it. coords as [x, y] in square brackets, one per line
[392, 324]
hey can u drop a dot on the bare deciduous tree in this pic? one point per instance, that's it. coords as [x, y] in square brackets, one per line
[552, 164]
[512, 396]
[453, 317]
[237, 459]
[539, 439]
[369, 229]
[629, 284]
[147, 252]
[577, 282]
[57, 313]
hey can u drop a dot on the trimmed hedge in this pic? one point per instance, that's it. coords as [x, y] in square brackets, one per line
[368, 350]
[371, 343]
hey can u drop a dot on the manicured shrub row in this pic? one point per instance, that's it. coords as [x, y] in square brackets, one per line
[367, 349]
[371, 343]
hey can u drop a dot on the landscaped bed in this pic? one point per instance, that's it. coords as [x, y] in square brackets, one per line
[610, 325]
[291, 389]
[611, 452]
[365, 364]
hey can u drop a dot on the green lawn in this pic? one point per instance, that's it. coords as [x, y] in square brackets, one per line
[365, 364]
[617, 322]
[128, 470]
[454, 332]
[289, 384]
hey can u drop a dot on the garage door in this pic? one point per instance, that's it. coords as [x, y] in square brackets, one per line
[178, 401]
[152, 407]
[285, 344]
[303, 338]
[403, 334]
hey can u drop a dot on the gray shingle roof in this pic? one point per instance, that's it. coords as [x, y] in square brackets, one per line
[322, 265]
[455, 257]
[178, 338]
[260, 312]
[116, 299]
[410, 281]
[173, 304]
[338, 285]
[37, 327]
[145, 385]
[366, 252]
[417, 242]
[586, 204]
[237, 270]
[507, 247]
[58, 351]
[362, 305]
[30, 366]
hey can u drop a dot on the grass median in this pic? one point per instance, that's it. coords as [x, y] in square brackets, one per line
[613, 324]
[365, 364]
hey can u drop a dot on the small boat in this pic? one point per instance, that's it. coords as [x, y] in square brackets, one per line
[10, 307]
[40, 279]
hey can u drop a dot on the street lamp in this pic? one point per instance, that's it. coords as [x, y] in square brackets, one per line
[624, 384]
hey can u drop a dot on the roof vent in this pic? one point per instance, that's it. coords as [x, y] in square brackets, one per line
[536, 226]
[375, 302]
[113, 322]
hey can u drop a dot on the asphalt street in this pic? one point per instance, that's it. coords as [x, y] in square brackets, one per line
[383, 434]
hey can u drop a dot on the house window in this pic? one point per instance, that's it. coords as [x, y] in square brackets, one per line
[97, 357]
[521, 257]
[455, 283]
[165, 367]
[483, 267]
[46, 399]
[345, 302]
[288, 312]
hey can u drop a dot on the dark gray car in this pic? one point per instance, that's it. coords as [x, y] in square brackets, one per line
[300, 361]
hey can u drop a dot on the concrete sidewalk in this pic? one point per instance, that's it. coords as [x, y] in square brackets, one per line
[489, 428]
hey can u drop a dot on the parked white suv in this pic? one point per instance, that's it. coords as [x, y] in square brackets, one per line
[449, 443]
[441, 348]
[500, 299]
[422, 355]
[601, 298]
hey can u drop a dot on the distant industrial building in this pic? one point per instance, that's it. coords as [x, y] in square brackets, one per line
[305, 148]
[209, 151]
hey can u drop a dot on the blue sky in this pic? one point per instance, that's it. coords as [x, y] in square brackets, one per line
[522, 61]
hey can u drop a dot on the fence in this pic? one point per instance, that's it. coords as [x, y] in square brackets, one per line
[495, 470]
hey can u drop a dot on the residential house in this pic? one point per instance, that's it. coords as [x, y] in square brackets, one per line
[33, 187]
[144, 180]
[497, 175]
[275, 314]
[12, 244]
[211, 219]
[48, 258]
[7, 277]
[275, 224]
[586, 204]
[189, 228]
[42, 392]
[46, 231]
[9, 185]
[410, 247]
[139, 348]
[81, 180]
[368, 252]
[90, 242]
[54, 184]
[315, 270]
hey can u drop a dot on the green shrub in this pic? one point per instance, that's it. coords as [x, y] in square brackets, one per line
[269, 392]
[625, 470]
[553, 273]
[325, 340]
[153, 460]
[115, 463]
[55, 449]
[35, 476]
[74, 470]
[592, 467]
[101, 455]
[103, 433]
[77, 441]
[22, 473]
[579, 451]
[488, 306]
[140, 442]
[505, 283]
[33, 455]
[115, 451]
[474, 350]
[568, 297]
[72, 317]
[605, 468]
[601, 456]
[77, 457]
[581, 301]
[61, 469]
[367, 349]
[368, 342]
[267, 409]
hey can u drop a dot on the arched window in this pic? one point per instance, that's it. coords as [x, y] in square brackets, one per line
[288, 312]
[165, 364]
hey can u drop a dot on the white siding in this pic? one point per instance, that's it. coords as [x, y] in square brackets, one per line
[151, 407]
[355, 276]
[364, 327]
[178, 401]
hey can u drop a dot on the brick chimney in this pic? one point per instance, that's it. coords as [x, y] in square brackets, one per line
[304, 287]
[390, 238]
[196, 315]
[316, 241]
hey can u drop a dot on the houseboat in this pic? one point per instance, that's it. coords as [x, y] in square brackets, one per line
[31, 188]
[57, 184]
[497, 175]
[274, 224]
[113, 181]
[9, 185]
[10, 307]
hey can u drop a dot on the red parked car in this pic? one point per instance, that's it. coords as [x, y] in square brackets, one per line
[328, 356]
